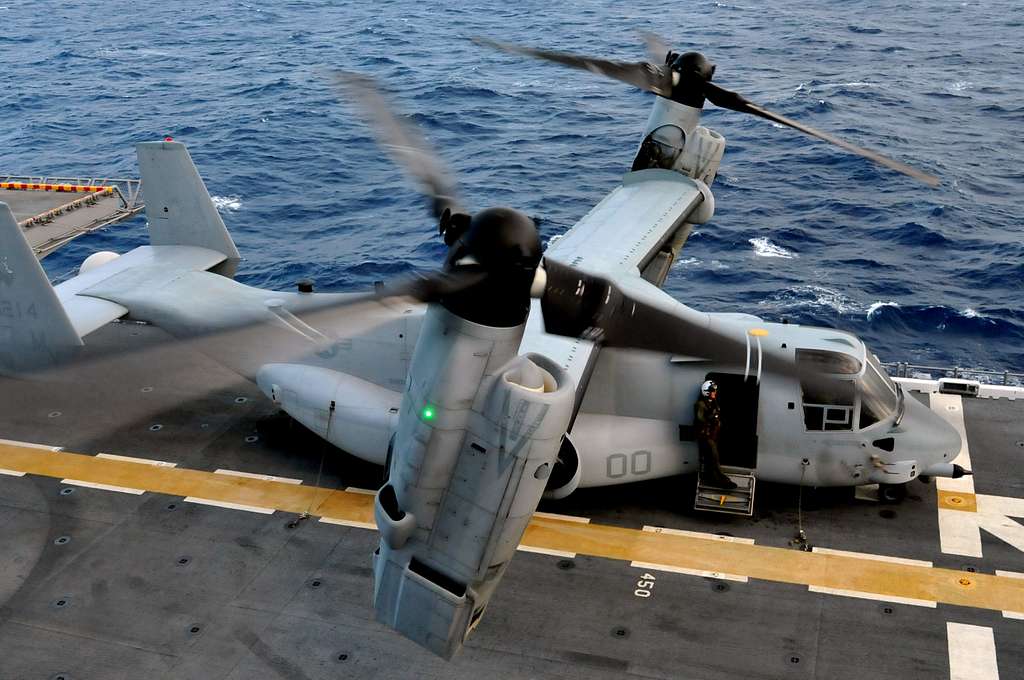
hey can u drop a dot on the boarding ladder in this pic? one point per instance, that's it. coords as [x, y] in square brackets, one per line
[738, 501]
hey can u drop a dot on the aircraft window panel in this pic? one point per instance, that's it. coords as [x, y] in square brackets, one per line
[878, 395]
[814, 417]
[829, 392]
[829, 418]
[824, 361]
[838, 418]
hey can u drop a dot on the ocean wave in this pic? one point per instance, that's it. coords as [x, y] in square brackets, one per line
[227, 203]
[810, 296]
[875, 307]
[763, 247]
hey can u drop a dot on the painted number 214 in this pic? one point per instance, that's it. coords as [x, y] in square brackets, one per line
[644, 586]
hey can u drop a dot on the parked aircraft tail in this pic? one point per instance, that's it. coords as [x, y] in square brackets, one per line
[178, 206]
[35, 331]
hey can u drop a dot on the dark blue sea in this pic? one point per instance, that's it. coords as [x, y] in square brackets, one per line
[802, 231]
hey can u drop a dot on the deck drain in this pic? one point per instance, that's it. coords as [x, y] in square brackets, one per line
[66, 491]
[241, 400]
[183, 560]
[620, 632]
[794, 659]
[156, 427]
[315, 583]
[194, 629]
[566, 565]
[970, 568]
[1020, 444]
[62, 540]
[251, 439]
[146, 390]
[887, 514]
[54, 414]
[887, 610]
[60, 676]
[62, 602]
[343, 657]
[720, 587]
[172, 506]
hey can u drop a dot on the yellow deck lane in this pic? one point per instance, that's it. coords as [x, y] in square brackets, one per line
[184, 482]
[841, 572]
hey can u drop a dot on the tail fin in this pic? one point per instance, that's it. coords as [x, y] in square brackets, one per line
[178, 206]
[35, 331]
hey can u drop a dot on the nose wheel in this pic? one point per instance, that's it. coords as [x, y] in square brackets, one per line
[892, 493]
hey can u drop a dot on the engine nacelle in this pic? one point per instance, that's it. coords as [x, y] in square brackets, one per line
[470, 460]
[673, 140]
[355, 415]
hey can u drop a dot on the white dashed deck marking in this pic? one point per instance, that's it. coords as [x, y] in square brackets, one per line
[131, 459]
[699, 534]
[349, 523]
[567, 518]
[972, 652]
[253, 475]
[690, 572]
[230, 506]
[546, 551]
[103, 487]
[871, 556]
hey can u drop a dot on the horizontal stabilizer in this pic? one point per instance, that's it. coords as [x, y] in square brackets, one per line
[35, 331]
[178, 206]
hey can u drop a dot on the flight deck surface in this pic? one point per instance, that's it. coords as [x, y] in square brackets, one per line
[138, 551]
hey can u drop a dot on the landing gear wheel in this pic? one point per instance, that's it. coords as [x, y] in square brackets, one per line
[892, 493]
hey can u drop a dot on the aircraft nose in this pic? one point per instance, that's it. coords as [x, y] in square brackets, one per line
[934, 436]
[937, 436]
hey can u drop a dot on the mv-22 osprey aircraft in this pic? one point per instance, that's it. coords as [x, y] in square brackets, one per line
[524, 373]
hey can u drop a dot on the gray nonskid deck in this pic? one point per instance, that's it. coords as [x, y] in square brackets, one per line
[254, 598]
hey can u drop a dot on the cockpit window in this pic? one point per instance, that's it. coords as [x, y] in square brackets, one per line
[879, 397]
[824, 361]
[828, 403]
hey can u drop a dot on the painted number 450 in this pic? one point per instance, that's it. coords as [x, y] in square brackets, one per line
[644, 586]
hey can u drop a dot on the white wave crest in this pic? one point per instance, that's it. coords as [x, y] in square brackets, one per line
[874, 308]
[226, 203]
[811, 296]
[765, 248]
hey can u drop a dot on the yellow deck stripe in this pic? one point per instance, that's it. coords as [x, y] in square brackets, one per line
[823, 570]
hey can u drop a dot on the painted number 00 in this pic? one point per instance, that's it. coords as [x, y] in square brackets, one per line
[637, 463]
[644, 586]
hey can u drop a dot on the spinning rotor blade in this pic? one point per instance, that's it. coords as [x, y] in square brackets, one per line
[727, 99]
[404, 142]
[662, 80]
[588, 306]
[646, 76]
[280, 332]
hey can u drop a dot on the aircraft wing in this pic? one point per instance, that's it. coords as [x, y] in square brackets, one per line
[618, 238]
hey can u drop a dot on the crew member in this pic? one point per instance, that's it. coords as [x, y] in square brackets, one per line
[707, 420]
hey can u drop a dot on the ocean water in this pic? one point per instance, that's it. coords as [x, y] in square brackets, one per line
[802, 231]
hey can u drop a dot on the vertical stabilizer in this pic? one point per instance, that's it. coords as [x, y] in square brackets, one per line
[35, 331]
[178, 206]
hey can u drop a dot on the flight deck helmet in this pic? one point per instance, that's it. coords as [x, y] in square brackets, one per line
[708, 387]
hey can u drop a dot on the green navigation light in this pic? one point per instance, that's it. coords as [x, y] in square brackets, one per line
[428, 412]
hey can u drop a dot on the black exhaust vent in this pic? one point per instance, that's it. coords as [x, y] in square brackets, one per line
[437, 578]
[886, 444]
